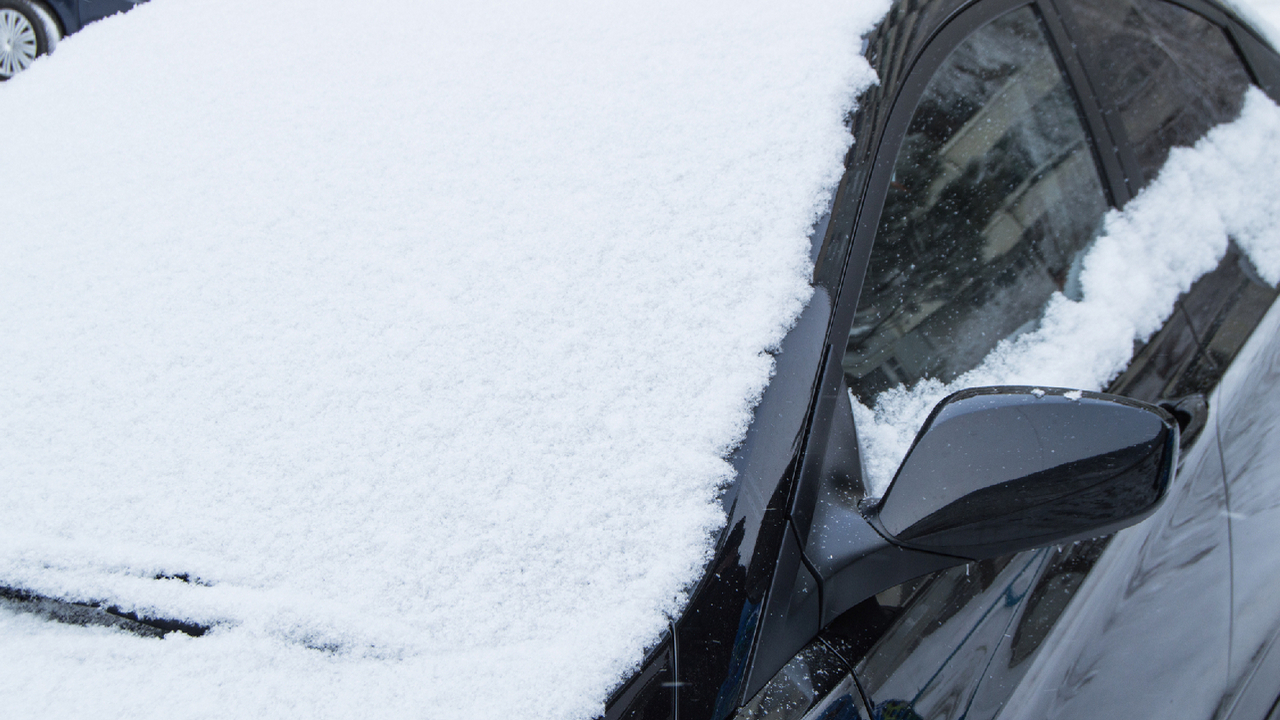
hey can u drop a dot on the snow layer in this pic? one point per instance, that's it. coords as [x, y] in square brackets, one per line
[1263, 14]
[414, 333]
[1176, 230]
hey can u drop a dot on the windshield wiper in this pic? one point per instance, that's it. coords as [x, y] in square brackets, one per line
[91, 613]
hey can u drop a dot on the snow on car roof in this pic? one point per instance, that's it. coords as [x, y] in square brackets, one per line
[401, 343]
[1264, 15]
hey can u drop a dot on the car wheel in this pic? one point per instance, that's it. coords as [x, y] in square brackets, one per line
[27, 31]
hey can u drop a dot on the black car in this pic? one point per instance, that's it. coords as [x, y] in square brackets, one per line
[990, 581]
[31, 28]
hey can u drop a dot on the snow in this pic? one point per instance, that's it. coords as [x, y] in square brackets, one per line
[419, 349]
[415, 334]
[1176, 230]
[1263, 14]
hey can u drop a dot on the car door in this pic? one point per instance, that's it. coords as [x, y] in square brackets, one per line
[91, 10]
[1171, 72]
[1250, 436]
[995, 191]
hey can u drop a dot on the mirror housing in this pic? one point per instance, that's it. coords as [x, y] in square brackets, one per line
[993, 471]
[997, 470]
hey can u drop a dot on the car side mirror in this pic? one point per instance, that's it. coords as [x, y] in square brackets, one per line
[1001, 469]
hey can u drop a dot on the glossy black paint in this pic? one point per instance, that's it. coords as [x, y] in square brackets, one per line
[851, 558]
[717, 631]
[1027, 635]
[1248, 429]
[650, 694]
[996, 471]
[1085, 629]
[816, 681]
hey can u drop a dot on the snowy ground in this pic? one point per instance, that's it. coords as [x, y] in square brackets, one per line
[423, 366]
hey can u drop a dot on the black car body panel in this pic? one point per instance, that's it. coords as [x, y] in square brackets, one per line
[1143, 623]
[75, 14]
[1249, 435]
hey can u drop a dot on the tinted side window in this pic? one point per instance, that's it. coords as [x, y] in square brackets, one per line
[1170, 73]
[995, 194]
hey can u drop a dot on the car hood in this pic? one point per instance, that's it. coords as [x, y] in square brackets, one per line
[401, 347]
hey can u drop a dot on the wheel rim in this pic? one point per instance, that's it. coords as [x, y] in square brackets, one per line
[17, 42]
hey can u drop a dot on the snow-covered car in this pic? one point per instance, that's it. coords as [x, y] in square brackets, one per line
[955, 255]
[652, 360]
[31, 28]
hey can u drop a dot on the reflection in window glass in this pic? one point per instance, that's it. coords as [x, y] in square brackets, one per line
[1171, 73]
[995, 195]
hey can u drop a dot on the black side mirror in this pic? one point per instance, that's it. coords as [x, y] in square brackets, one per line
[1001, 469]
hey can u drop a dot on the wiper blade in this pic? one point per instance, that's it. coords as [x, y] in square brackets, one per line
[91, 613]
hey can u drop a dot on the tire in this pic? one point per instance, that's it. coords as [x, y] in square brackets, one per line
[27, 31]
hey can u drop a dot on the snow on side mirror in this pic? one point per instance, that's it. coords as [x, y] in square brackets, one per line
[1000, 469]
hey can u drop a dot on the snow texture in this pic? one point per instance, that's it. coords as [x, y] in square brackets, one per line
[414, 334]
[1263, 14]
[1176, 230]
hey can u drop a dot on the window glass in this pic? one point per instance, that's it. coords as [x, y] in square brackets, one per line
[1171, 73]
[994, 196]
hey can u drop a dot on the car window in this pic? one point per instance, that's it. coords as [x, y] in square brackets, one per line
[1170, 73]
[994, 199]
[994, 196]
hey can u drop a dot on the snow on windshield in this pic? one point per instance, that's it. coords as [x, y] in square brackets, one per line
[400, 342]
[1176, 230]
